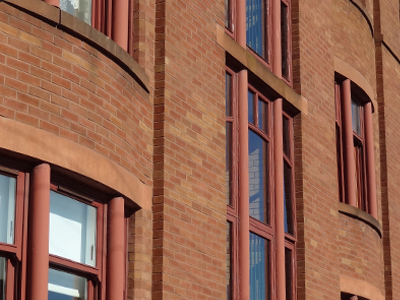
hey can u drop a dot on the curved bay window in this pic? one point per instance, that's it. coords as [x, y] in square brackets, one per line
[354, 144]
[59, 248]
[261, 202]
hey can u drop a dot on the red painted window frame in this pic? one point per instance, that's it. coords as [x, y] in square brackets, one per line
[362, 197]
[14, 252]
[94, 275]
[264, 230]
[268, 61]
[17, 254]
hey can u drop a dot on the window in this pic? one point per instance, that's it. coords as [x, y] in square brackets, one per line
[253, 23]
[82, 9]
[354, 147]
[75, 250]
[258, 221]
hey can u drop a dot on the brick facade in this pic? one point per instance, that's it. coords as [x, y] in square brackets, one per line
[156, 117]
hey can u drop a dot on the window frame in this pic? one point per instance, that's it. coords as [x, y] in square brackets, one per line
[94, 275]
[265, 230]
[366, 199]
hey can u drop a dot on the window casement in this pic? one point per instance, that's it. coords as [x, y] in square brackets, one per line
[252, 214]
[64, 246]
[354, 147]
[264, 27]
[110, 17]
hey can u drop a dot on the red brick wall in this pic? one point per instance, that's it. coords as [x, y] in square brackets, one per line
[391, 77]
[189, 194]
[54, 81]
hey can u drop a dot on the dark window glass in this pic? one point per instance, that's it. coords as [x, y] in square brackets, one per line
[250, 108]
[229, 261]
[288, 213]
[228, 94]
[263, 116]
[256, 19]
[3, 264]
[288, 273]
[286, 137]
[228, 14]
[259, 268]
[360, 187]
[258, 179]
[284, 40]
[7, 208]
[82, 9]
[355, 114]
[228, 156]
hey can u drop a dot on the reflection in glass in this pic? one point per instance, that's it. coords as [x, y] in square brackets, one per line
[7, 208]
[3, 263]
[286, 143]
[255, 26]
[355, 115]
[228, 260]
[288, 273]
[228, 94]
[259, 268]
[250, 108]
[263, 116]
[287, 193]
[228, 156]
[228, 14]
[284, 40]
[72, 229]
[65, 286]
[82, 9]
[258, 178]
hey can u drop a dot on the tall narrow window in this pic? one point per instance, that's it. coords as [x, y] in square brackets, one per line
[256, 26]
[258, 226]
[285, 43]
[352, 148]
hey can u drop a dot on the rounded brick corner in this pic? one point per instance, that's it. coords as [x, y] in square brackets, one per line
[359, 214]
[77, 28]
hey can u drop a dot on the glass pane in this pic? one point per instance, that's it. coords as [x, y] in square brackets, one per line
[250, 107]
[228, 156]
[82, 9]
[228, 14]
[284, 40]
[259, 268]
[65, 286]
[3, 264]
[286, 138]
[355, 114]
[258, 178]
[7, 208]
[72, 229]
[255, 26]
[287, 193]
[263, 116]
[288, 272]
[228, 94]
[228, 261]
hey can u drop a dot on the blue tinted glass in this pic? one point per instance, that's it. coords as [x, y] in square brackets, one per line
[287, 194]
[258, 170]
[65, 286]
[250, 108]
[255, 26]
[259, 268]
